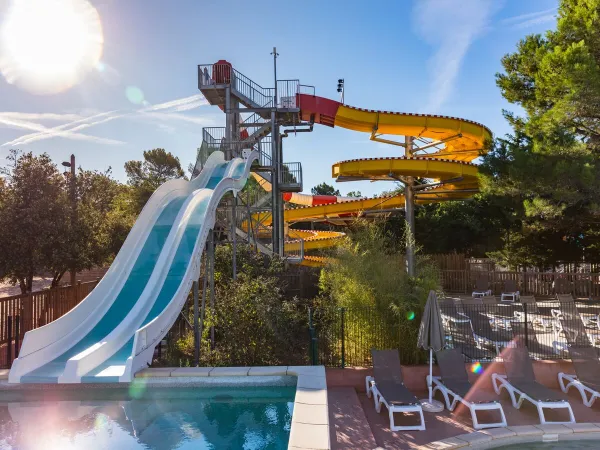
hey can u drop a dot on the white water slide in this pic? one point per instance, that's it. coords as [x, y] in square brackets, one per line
[112, 333]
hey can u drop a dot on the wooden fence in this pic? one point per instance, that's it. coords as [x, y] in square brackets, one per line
[582, 285]
[22, 313]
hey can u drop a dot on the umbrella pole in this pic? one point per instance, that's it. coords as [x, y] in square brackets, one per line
[430, 374]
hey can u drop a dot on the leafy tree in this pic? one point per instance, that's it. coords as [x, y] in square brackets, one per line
[34, 218]
[397, 190]
[551, 163]
[103, 221]
[354, 194]
[324, 189]
[146, 176]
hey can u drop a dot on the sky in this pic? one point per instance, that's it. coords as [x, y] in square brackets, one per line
[421, 56]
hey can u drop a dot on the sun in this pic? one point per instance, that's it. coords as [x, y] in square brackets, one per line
[48, 46]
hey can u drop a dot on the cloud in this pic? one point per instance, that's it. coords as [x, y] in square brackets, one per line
[530, 19]
[450, 26]
[170, 110]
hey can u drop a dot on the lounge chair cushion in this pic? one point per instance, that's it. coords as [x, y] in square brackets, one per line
[537, 391]
[396, 393]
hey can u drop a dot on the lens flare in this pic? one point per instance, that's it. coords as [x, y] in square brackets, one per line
[137, 388]
[477, 368]
[134, 94]
[410, 315]
[100, 422]
[48, 46]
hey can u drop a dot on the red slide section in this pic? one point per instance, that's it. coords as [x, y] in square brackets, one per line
[323, 109]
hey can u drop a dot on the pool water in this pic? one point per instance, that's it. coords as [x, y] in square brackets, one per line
[246, 417]
[582, 444]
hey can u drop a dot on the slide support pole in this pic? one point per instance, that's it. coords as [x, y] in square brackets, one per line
[409, 208]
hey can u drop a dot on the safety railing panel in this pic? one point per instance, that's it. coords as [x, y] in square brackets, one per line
[293, 251]
[291, 177]
[286, 93]
[232, 150]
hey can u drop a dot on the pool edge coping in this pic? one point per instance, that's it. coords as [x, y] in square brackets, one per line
[497, 437]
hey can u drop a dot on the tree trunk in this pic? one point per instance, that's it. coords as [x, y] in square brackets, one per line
[22, 285]
[56, 278]
[30, 282]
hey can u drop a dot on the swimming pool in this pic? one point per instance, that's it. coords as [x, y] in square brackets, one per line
[161, 418]
[582, 444]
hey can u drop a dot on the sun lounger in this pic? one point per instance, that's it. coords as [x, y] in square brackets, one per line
[455, 387]
[387, 388]
[576, 334]
[533, 312]
[587, 381]
[521, 385]
[485, 335]
[461, 338]
[482, 287]
[529, 339]
[567, 304]
[450, 312]
[500, 315]
[510, 293]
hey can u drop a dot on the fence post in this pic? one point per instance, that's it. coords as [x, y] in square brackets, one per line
[196, 326]
[312, 351]
[343, 311]
[17, 326]
[9, 343]
[526, 325]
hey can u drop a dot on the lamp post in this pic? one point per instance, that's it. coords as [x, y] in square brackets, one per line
[340, 89]
[73, 196]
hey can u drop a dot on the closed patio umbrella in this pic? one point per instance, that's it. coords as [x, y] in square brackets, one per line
[431, 337]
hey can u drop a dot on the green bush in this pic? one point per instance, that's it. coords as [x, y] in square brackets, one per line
[383, 305]
[255, 322]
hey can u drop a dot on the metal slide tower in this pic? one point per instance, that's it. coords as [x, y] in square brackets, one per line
[255, 118]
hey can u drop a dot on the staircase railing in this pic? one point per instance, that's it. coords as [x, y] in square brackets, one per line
[219, 74]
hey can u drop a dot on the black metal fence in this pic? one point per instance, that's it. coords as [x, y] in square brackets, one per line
[483, 330]
[343, 337]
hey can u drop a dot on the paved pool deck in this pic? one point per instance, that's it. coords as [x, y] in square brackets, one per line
[354, 423]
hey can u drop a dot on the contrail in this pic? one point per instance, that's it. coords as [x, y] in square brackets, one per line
[60, 131]
[68, 130]
[42, 131]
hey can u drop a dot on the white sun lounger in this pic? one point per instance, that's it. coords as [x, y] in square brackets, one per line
[387, 388]
[587, 367]
[521, 385]
[454, 385]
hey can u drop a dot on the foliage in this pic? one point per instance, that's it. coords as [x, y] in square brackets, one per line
[551, 163]
[256, 322]
[34, 218]
[324, 189]
[472, 227]
[368, 270]
[40, 232]
[356, 194]
[146, 176]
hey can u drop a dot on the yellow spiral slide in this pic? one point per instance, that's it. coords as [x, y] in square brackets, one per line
[441, 151]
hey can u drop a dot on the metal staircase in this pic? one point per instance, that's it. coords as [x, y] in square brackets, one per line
[254, 116]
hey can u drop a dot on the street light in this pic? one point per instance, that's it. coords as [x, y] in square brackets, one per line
[73, 192]
[340, 88]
